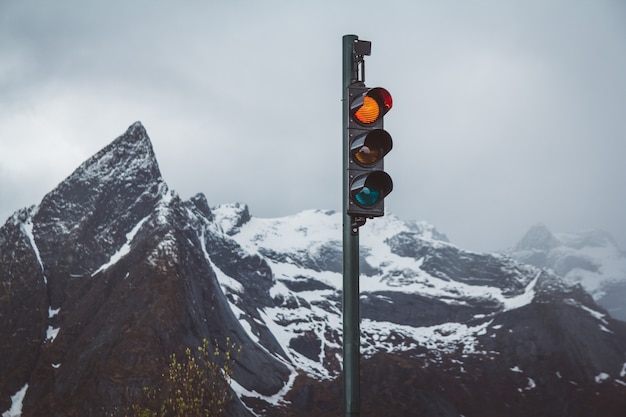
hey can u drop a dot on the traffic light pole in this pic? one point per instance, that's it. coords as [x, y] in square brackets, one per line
[365, 186]
[351, 315]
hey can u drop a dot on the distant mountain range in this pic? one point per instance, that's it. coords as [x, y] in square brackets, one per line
[592, 259]
[112, 271]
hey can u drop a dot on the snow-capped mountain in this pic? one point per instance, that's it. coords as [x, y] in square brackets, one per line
[591, 258]
[112, 271]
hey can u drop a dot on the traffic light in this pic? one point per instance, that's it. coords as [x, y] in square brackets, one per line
[368, 183]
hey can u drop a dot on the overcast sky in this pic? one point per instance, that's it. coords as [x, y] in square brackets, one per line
[506, 113]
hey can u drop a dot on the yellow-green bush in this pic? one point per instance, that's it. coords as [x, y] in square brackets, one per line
[196, 385]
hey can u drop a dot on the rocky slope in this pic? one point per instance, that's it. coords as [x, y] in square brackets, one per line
[112, 271]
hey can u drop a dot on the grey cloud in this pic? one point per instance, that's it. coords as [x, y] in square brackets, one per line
[504, 114]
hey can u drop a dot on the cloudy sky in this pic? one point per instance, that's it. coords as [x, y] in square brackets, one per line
[506, 113]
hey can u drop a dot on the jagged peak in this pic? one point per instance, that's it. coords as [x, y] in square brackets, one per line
[231, 216]
[129, 156]
[121, 181]
[137, 126]
[538, 237]
[133, 147]
[200, 202]
[22, 215]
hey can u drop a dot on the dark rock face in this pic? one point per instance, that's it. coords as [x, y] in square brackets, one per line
[420, 311]
[121, 262]
[468, 267]
[23, 305]
[112, 272]
[534, 362]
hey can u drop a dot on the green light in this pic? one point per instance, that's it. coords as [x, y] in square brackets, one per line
[367, 196]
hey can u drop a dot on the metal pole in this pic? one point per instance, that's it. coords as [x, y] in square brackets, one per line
[351, 316]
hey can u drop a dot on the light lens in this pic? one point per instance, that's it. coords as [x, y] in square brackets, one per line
[367, 196]
[369, 189]
[369, 148]
[368, 112]
[366, 155]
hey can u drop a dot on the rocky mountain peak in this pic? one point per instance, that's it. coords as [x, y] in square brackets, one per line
[232, 216]
[538, 237]
[86, 218]
[130, 156]
[126, 164]
[200, 202]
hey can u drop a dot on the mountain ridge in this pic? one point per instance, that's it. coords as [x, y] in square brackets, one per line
[113, 271]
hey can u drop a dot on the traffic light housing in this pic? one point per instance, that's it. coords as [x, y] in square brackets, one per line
[368, 183]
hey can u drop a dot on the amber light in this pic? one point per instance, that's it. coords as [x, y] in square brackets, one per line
[368, 112]
[367, 156]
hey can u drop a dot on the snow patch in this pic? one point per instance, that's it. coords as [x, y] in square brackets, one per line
[52, 313]
[291, 233]
[229, 285]
[522, 299]
[124, 249]
[163, 208]
[291, 323]
[229, 216]
[273, 399]
[604, 329]
[16, 403]
[446, 337]
[593, 313]
[602, 376]
[51, 333]
[239, 313]
[27, 228]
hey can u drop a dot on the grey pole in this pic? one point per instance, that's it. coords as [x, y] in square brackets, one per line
[351, 316]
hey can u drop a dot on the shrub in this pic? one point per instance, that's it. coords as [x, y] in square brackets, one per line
[197, 385]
